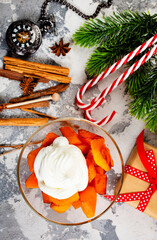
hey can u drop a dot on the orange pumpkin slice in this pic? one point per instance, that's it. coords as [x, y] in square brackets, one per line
[76, 204]
[90, 157]
[31, 158]
[60, 208]
[83, 147]
[50, 137]
[91, 170]
[88, 199]
[32, 181]
[100, 182]
[47, 198]
[66, 201]
[101, 154]
[86, 136]
[71, 135]
[99, 170]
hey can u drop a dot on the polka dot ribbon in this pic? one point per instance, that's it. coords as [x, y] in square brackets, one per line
[150, 177]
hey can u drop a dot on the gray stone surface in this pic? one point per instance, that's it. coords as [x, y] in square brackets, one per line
[17, 220]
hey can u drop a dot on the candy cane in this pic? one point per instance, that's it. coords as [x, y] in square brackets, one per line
[108, 71]
[117, 82]
[100, 99]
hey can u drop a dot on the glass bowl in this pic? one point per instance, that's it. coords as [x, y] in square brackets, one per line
[33, 197]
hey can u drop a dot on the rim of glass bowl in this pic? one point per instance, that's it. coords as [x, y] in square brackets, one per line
[69, 119]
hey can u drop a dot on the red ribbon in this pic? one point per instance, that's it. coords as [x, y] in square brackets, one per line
[148, 160]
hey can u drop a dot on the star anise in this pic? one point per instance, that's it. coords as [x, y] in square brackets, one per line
[61, 48]
[28, 84]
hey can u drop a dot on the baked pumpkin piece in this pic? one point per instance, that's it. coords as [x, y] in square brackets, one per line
[86, 136]
[101, 154]
[100, 182]
[32, 181]
[71, 135]
[88, 199]
[60, 208]
[70, 200]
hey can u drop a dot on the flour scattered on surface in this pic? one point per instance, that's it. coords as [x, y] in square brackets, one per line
[10, 163]
[13, 7]
[4, 83]
[1, 136]
[5, 1]
[1, 63]
[72, 110]
[152, 11]
[15, 17]
[57, 14]
[52, 111]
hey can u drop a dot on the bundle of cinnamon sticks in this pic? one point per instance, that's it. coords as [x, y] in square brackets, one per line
[16, 69]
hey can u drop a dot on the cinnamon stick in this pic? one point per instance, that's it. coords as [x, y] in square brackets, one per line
[15, 147]
[12, 150]
[36, 66]
[41, 93]
[38, 113]
[19, 76]
[12, 146]
[36, 73]
[19, 145]
[23, 121]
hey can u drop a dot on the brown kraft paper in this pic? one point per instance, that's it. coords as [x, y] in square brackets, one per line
[133, 184]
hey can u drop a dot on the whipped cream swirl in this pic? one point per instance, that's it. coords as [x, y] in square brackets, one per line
[61, 169]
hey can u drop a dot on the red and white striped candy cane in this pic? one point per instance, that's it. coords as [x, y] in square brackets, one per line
[117, 82]
[100, 99]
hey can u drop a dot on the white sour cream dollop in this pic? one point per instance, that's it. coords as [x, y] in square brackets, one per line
[61, 169]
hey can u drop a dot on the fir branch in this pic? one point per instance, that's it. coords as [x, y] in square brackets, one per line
[122, 24]
[149, 89]
[144, 105]
[138, 79]
[151, 119]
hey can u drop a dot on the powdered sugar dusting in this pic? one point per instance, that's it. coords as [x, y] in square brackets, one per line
[4, 84]
[10, 163]
[1, 63]
[5, 1]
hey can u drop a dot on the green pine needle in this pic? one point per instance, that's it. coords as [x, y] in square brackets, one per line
[151, 119]
[138, 79]
[95, 32]
[144, 105]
